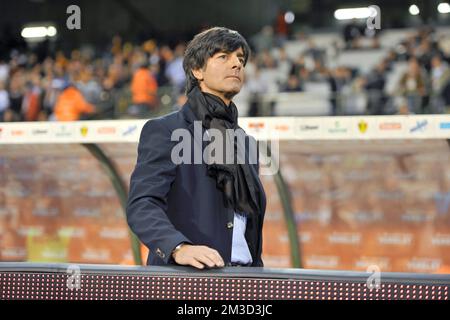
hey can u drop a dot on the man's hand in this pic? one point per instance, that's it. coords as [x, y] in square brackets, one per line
[198, 256]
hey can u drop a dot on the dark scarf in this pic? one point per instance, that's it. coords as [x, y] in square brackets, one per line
[238, 183]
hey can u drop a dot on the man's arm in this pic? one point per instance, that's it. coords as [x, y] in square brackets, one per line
[147, 202]
[149, 187]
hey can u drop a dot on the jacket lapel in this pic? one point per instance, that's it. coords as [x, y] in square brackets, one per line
[194, 126]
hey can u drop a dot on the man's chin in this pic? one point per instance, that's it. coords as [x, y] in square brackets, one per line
[230, 94]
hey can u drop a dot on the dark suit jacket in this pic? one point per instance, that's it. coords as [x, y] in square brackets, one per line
[169, 204]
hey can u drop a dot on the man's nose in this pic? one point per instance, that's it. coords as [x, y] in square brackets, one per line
[236, 62]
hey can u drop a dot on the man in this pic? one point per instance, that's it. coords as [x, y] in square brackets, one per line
[208, 214]
[71, 105]
[143, 89]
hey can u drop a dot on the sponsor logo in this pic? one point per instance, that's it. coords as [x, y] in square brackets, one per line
[45, 212]
[84, 131]
[441, 240]
[390, 126]
[32, 231]
[362, 126]
[416, 217]
[395, 239]
[129, 130]
[17, 133]
[110, 233]
[424, 264]
[39, 132]
[322, 216]
[444, 125]
[54, 254]
[344, 238]
[256, 126]
[308, 127]
[282, 127]
[63, 131]
[8, 211]
[364, 216]
[419, 127]
[325, 262]
[71, 232]
[97, 255]
[86, 212]
[364, 262]
[106, 130]
[338, 128]
[14, 253]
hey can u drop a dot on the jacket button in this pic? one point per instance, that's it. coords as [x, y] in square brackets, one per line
[230, 225]
[160, 253]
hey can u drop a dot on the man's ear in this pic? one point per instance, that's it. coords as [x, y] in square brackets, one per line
[198, 74]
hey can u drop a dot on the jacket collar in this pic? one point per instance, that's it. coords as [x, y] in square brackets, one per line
[187, 113]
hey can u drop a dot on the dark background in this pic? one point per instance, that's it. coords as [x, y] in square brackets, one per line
[173, 20]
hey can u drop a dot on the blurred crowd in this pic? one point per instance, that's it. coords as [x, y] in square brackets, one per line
[422, 59]
[87, 82]
[137, 80]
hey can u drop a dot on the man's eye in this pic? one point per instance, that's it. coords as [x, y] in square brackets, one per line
[242, 61]
[223, 56]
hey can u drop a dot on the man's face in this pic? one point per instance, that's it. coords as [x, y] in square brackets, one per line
[223, 74]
